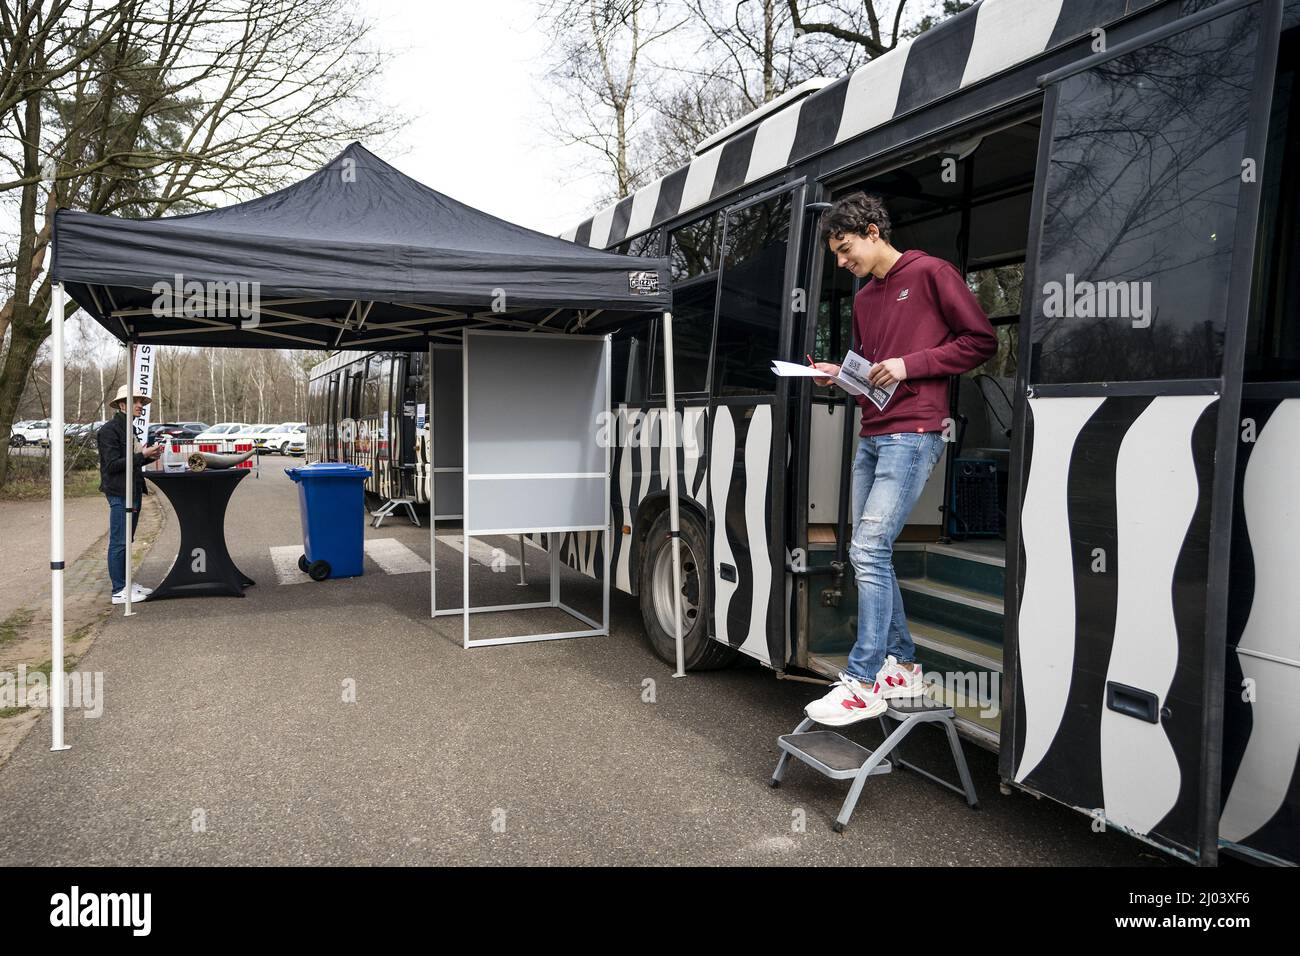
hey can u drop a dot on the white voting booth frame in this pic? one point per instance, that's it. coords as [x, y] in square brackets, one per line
[541, 402]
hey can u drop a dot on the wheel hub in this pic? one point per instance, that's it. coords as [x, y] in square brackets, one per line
[663, 587]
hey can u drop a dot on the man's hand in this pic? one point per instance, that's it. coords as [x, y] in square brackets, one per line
[153, 451]
[827, 367]
[886, 372]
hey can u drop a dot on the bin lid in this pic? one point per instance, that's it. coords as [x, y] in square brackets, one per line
[328, 469]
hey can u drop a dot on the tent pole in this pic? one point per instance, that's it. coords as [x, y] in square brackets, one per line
[56, 520]
[674, 524]
[130, 465]
[428, 449]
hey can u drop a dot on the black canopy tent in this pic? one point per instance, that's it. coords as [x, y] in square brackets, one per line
[356, 256]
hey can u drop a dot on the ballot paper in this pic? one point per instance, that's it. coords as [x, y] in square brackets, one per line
[852, 378]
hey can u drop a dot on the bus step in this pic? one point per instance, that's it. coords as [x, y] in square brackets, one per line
[839, 758]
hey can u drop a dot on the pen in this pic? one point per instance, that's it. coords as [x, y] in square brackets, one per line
[809, 358]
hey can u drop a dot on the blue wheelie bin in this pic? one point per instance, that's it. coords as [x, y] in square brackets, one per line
[332, 504]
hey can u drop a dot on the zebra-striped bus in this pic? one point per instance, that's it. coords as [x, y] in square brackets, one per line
[1099, 577]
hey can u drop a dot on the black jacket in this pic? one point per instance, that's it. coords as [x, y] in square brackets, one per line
[112, 459]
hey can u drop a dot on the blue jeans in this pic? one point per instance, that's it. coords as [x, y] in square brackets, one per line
[117, 538]
[889, 473]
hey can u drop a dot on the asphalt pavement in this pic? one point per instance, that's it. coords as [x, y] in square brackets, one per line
[337, 723]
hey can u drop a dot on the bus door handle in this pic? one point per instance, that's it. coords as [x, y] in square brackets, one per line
[1133, 702]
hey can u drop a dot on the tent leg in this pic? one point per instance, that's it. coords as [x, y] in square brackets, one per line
[56, 521]
[130, 469]
[428, 471]
[674, 522]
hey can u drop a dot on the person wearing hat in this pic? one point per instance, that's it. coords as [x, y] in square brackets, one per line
[112, 439]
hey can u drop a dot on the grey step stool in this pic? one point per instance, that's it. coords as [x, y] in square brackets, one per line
[388, 507]
[839, 758]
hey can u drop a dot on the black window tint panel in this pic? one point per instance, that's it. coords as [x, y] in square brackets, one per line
[1141, 195]
[751, 302]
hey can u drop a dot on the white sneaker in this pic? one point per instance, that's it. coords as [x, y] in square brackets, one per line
[138, 593]
[897, 680]
[848, 702]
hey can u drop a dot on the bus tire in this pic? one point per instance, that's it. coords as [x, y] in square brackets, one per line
[699, 651]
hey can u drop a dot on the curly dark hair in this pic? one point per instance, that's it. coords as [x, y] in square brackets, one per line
[853, 214]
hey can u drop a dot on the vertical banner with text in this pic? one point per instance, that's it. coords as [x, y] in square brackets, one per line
[142, 386]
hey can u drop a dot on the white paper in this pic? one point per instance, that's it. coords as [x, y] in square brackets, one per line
[852, 377]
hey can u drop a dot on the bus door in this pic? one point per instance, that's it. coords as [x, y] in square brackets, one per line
[1140, 252]
[746, 431]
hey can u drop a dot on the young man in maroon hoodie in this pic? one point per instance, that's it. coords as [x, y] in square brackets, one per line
[917, 321]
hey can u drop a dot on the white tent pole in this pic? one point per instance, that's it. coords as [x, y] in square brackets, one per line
[674, 524]
[56, 520]
[428, 470]
[130, 464]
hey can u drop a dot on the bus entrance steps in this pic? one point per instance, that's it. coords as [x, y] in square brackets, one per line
[388, 507]
[839, 758]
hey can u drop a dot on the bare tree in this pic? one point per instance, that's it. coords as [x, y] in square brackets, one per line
[141, 107]
[597, 48]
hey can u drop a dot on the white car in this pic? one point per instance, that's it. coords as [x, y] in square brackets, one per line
[220, 434]
[260, 435]
[29, 433]
[297, 444]
[286, 439]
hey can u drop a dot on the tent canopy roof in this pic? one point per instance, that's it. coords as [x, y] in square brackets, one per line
[357, 255]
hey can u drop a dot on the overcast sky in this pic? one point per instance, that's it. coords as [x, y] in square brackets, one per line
[469, 77]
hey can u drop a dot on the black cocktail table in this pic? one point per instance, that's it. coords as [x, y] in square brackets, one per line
[203, 567]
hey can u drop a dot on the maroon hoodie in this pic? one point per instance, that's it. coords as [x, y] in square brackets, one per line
[923, 313]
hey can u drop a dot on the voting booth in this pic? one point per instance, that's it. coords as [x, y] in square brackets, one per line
[536, 457]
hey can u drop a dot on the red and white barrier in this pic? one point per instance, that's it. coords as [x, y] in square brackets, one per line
[181, 451]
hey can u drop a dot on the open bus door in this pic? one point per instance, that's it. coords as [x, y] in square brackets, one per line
[747, 422]
[1138, 285]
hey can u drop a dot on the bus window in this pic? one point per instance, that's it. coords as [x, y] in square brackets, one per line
[998, 290]
[693, 255]
[352, 402]
[1273, 332]
[646, 244]
[752, 300]
[1140, 223]
[371, 379]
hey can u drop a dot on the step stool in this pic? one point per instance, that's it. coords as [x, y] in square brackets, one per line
[388, 507]
[839, 758]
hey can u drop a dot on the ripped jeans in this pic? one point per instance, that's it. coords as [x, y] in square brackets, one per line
[889, 473]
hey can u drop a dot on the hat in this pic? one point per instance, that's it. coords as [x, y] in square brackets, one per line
[123, 394]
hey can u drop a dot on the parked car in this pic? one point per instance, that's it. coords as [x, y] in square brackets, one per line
[223, 432]
[161, 428]
[280, 438]
[31, 433]
[297, 444]
[176, 431]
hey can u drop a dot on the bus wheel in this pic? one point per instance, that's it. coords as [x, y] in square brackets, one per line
[656, 594]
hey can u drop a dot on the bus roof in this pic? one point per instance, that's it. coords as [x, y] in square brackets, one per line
[960, 52]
